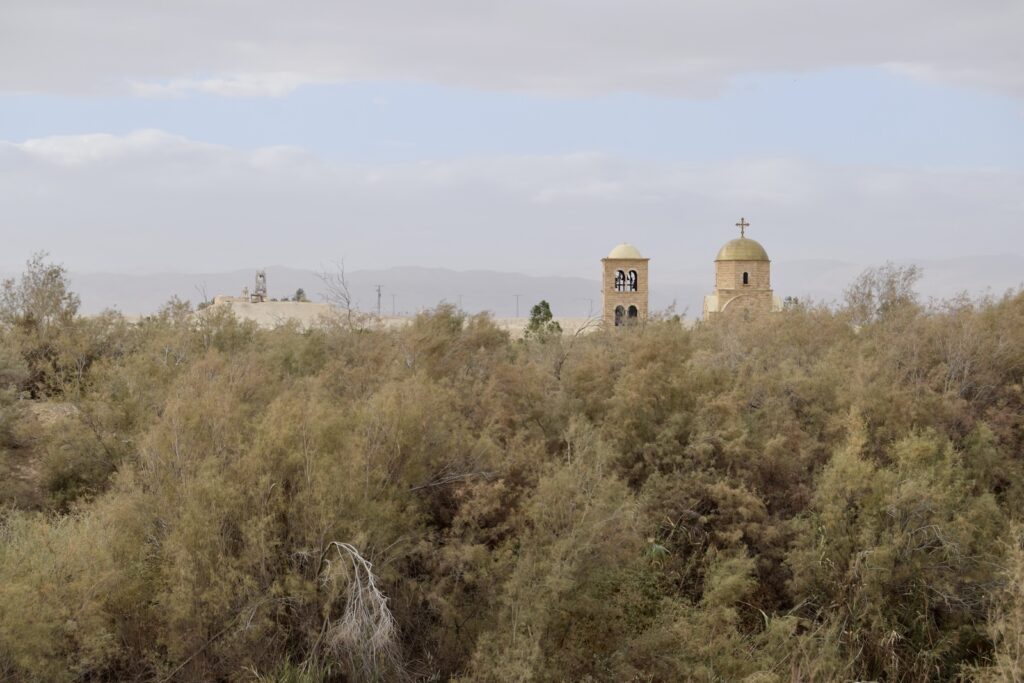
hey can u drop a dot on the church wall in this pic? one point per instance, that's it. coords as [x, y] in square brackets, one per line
[748, 303]
[613, 298]
[729, 275]
[732, 297]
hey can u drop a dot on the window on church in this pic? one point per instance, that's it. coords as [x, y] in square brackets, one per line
[746, 278]
[632, 281]
[633, 312]
[620, 281]
[620, 313]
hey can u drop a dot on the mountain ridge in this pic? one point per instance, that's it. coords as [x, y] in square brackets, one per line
[408, 289]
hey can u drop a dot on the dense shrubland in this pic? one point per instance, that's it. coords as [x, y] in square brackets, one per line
[831, 493]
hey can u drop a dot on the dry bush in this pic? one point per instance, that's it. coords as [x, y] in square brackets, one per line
[822, 494]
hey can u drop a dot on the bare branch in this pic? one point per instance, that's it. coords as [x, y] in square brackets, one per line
[365, 634]
[336, 290]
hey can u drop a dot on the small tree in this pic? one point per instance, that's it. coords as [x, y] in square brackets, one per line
[300, 295]
[338, 294]
[880, 293]
[36, 311]
[41, 301]
[542, 323]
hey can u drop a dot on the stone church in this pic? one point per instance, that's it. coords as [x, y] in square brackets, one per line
[743, 279]
[742, 282]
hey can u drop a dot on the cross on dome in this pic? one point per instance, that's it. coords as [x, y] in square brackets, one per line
[743, 225]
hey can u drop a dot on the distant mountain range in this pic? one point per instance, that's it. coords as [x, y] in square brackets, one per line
[407, 290]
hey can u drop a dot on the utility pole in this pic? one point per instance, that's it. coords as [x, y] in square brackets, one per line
[378, 301]
[517, 303]
[393, 305]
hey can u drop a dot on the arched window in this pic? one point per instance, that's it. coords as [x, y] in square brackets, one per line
[633, 313]
[620, 281]
[746, 278]
[620, 313]
[632, 281]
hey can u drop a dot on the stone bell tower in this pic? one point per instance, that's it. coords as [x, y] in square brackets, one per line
[743, 283]
[624, 286]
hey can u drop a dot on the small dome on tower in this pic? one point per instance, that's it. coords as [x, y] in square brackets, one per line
[624, 251]
[742, 249]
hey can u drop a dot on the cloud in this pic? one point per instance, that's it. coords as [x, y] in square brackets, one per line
[239, 85]
[564, 47]
[103, 149]
[154, 201]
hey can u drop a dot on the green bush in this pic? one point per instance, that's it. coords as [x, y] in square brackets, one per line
[817, 495]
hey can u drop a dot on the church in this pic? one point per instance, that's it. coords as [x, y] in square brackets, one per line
[742, 282]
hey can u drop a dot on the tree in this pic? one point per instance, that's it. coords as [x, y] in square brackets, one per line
[542, 324]
[337, 292]
[300, 295]
[37, 311]
[786, 499]
[1006, 622]
[41, 301]
[879, 293]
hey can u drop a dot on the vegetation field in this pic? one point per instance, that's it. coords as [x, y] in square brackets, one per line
[831, 493]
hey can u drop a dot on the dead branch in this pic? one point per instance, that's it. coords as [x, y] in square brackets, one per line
[336, 289]
[365, 634]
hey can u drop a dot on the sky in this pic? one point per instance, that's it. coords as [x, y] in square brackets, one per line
[209, 135]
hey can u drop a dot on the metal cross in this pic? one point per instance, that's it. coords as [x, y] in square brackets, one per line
[743, 225]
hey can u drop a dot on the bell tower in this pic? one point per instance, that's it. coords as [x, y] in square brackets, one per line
[624, 286]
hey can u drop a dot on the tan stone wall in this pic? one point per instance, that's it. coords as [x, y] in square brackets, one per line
[611, 298]
[749, 304]
[735, 298]
[729, 275]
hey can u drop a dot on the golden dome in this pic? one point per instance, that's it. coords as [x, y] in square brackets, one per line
[742, 249]
[624, 251]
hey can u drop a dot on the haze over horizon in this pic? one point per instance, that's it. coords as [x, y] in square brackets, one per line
[528, 138]
[408, 290]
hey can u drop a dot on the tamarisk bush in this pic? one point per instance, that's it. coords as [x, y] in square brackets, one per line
[826, 493]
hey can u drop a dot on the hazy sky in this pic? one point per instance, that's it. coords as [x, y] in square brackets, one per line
[533, 135]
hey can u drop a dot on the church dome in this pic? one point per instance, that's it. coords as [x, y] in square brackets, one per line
[742, 249]
[625, 250]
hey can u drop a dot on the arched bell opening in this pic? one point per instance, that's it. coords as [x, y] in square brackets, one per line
[620, 314]
[621, 284]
